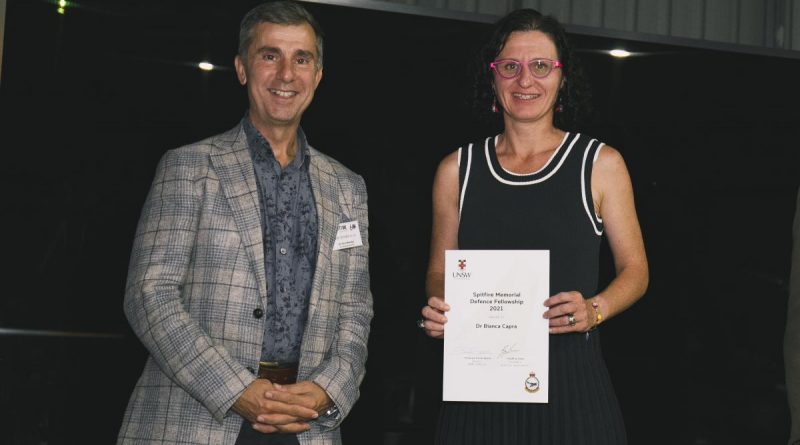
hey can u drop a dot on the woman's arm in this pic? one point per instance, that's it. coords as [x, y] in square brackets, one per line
[612, 194]
[444, 236]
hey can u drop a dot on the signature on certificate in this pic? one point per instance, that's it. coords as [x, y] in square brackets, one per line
[466, 350]
[507, 349]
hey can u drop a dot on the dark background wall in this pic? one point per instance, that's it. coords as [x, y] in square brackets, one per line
[91, 99]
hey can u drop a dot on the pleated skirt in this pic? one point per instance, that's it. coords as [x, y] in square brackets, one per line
[582, 408]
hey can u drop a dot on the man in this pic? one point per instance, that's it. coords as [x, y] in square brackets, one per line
[250, 260]
[791, 341]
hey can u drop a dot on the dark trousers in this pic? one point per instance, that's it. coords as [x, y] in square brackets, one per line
[249, 436]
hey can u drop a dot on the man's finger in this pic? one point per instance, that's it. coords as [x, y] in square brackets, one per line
[296, 404]
[263, 428]
[277, 419]
[296, 388]
[297, 427]
[274, 407]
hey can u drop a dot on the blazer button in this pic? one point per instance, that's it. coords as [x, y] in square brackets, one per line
[258, 313]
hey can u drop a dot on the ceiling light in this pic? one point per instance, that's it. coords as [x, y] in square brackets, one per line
[620, 53]
[205, 66]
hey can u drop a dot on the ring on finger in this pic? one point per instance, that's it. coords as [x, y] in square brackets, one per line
[421, 323]
[571, 319]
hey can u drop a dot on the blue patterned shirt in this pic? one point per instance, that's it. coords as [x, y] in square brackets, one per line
[289, 229]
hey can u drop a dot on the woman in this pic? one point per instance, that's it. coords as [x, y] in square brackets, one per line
[535, 186]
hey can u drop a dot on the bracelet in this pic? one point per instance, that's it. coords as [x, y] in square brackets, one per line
[598, 316]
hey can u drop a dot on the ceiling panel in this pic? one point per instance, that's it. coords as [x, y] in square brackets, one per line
[767, 27]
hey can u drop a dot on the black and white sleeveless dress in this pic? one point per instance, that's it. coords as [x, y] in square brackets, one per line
[549, 209]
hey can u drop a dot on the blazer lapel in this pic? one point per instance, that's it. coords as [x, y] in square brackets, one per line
[325, 187]
[231, 161]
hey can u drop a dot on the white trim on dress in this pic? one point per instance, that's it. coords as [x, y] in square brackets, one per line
[586, 199]
[534, 181]
[466, 178]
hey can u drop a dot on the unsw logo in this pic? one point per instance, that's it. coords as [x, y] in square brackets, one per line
[462, 270]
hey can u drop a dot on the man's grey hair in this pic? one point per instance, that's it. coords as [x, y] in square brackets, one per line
[281, 13]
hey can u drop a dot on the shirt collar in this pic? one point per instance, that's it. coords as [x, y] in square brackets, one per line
[259, 146]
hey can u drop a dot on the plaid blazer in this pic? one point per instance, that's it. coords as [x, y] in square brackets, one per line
[197, 274]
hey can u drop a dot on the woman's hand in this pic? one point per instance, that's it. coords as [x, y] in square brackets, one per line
[433, 317]
[569, 312]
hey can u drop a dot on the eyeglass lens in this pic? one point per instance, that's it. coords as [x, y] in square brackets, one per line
[512, 68]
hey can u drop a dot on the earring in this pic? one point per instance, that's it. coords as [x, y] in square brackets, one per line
[494, 106]
[560, 103]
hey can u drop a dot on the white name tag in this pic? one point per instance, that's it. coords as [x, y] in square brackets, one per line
[348, 235]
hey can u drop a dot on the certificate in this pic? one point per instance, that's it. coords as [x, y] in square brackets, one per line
[496, 342]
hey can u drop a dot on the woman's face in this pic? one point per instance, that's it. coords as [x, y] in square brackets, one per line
[527, 98]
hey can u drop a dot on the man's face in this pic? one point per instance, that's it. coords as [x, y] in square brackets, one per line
[281, 73]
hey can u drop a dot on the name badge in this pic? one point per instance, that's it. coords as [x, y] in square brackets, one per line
[348, 235]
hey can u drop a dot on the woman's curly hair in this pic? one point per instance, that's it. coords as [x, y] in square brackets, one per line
[574, 97]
